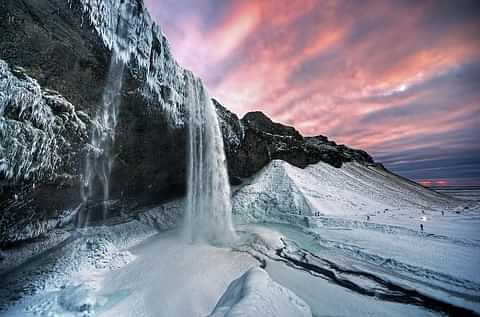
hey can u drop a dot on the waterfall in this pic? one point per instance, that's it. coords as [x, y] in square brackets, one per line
[208, 209]
[98, 165]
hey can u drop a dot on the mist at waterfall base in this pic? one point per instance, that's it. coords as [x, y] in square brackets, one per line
[98, 164]
[208, 215]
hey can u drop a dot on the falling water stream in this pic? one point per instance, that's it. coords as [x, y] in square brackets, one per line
[209, 209]
[95, 189]
[98, 165]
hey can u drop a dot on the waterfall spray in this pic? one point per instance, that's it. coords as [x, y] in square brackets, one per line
[209, 210]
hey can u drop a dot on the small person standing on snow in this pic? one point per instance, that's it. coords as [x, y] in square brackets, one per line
[368, 218]
[421, 227]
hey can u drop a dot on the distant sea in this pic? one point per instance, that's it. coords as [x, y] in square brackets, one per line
[471, 193]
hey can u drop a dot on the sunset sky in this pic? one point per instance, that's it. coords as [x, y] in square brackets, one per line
[400, 79]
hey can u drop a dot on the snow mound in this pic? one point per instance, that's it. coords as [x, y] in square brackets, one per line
[256, 294]
[282, 192]
[271, 195]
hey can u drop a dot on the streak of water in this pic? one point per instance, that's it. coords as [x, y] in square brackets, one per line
[98, 165]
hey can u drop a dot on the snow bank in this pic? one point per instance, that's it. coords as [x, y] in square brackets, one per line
[256, 294]
[271, 195]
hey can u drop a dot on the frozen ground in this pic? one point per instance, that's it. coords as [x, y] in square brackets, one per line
[330, 242]
[161, 276]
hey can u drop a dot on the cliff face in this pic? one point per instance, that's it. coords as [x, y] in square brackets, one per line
[55, 56]
[55, 61]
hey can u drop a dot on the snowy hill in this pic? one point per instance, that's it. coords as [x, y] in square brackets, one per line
[282, 191]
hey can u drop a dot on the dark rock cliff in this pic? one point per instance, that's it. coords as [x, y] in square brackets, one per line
[255, 140]
[55, 57]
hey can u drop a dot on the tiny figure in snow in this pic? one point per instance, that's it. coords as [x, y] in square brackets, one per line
[368, 218]
[443, 213]
[263, 263]
[423, 211]
[421, 227]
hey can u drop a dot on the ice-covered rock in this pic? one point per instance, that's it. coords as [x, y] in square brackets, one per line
[30, 120]
[141, 43]
[42, 138]
[256, 294]
[40, 163]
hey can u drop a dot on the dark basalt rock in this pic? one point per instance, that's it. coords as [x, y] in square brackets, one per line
[255, 140]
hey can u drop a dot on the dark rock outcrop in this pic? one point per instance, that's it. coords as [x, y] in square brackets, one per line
[255, 140]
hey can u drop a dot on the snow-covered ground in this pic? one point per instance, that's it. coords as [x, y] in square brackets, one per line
[161, 276]
[367, 221]
[320, 241]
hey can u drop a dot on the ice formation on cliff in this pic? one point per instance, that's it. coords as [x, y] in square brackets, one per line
[143, 46]
[31, 119]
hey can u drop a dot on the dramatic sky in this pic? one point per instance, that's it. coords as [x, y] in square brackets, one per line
[400, 79]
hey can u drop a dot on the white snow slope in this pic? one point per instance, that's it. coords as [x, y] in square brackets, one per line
[281, 190]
